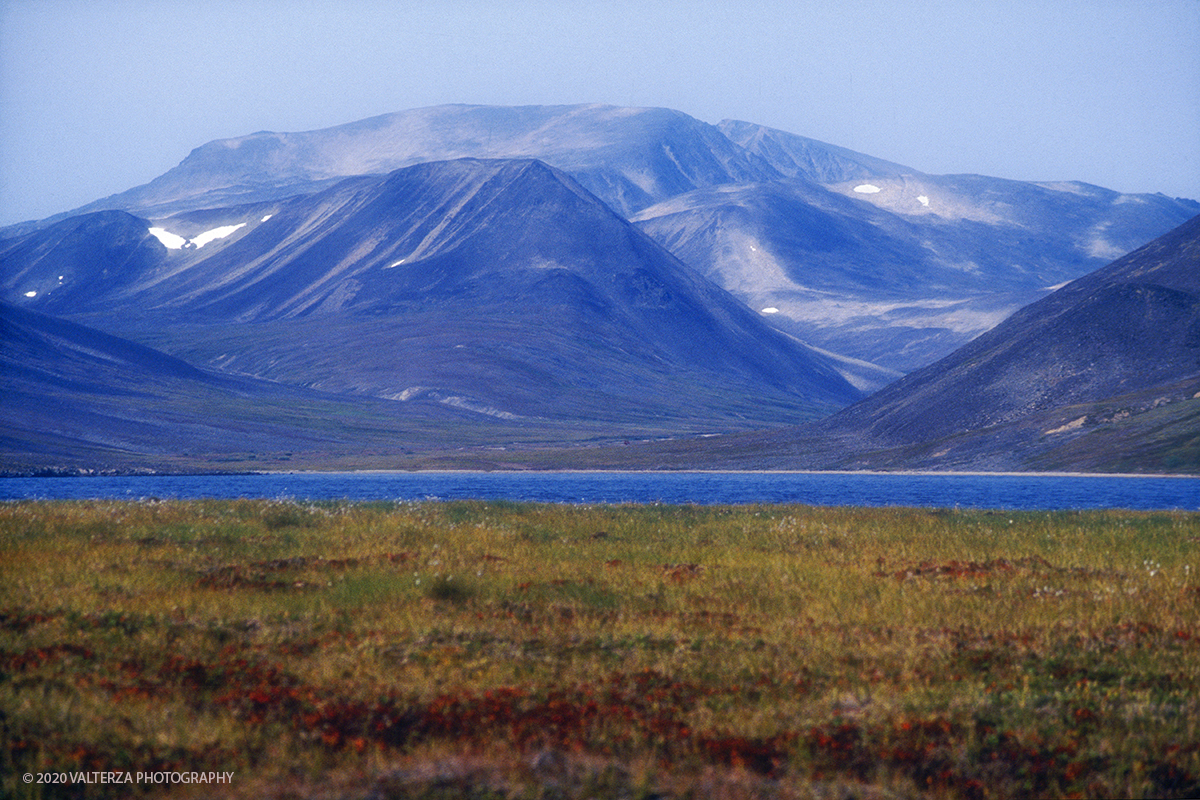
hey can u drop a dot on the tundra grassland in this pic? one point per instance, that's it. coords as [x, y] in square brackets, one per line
[506, 650]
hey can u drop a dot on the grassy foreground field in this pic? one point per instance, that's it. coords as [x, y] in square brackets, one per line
[500, 650]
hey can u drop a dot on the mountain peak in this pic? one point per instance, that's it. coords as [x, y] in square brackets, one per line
[630, 157]
[502, 283]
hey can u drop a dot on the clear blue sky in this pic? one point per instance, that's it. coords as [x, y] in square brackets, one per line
[97, 96]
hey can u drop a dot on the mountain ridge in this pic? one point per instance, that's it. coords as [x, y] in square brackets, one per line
[1026, 237]
[1131, 325]
[500, 285]
[797, 156]
[904, 273]
[80, 401]
[769, 278]
[269, 165]
[1111, 358]
[1121, 396]
[1037, 235]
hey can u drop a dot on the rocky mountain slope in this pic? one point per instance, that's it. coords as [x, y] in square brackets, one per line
[1130, 326]
[795, 156]
[77, 398]
[629, 157]
[496, 286]
[825, 237]
[900, 270]
[1103, 375]
[1064, 382]
[474, 271]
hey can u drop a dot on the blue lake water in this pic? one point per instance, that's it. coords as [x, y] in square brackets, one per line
[1014, 492]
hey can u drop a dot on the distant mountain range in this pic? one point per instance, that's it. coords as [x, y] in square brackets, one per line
[901, 270]
[460, 279]
[866, 258]
[497, 288]
[629, 157]
[1103, 375]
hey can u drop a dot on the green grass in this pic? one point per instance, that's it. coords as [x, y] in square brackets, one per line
[494, 650]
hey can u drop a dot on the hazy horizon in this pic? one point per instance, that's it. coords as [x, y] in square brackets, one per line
[98, 97]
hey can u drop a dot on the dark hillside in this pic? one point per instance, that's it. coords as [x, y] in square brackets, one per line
[1115, 352]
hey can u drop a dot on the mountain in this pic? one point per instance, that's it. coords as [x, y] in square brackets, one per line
[77, 400]
[827, 237]
[477, 277]
[497, 286]
[1096, 356]
[795, 156]
[900, 270]
[629, 157]
[1102, 375]
[76, 259]
[76, 396]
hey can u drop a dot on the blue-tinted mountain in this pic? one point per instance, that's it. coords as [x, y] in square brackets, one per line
[1102, 375]
[900, 270]
[827, 237]
[1064, 381]
[478, 260]
[76, 399]
[66, 264]
[497, 286]
[800, 157]
[630, 157]
[681, 176]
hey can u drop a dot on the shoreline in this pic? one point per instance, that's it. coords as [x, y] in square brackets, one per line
[532, 472]
[861, 489]
[902, 473]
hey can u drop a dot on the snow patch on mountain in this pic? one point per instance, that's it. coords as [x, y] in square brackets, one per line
[216, 233]
[954, 314]
[174, 241]
[170, 240]
[913, 195]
